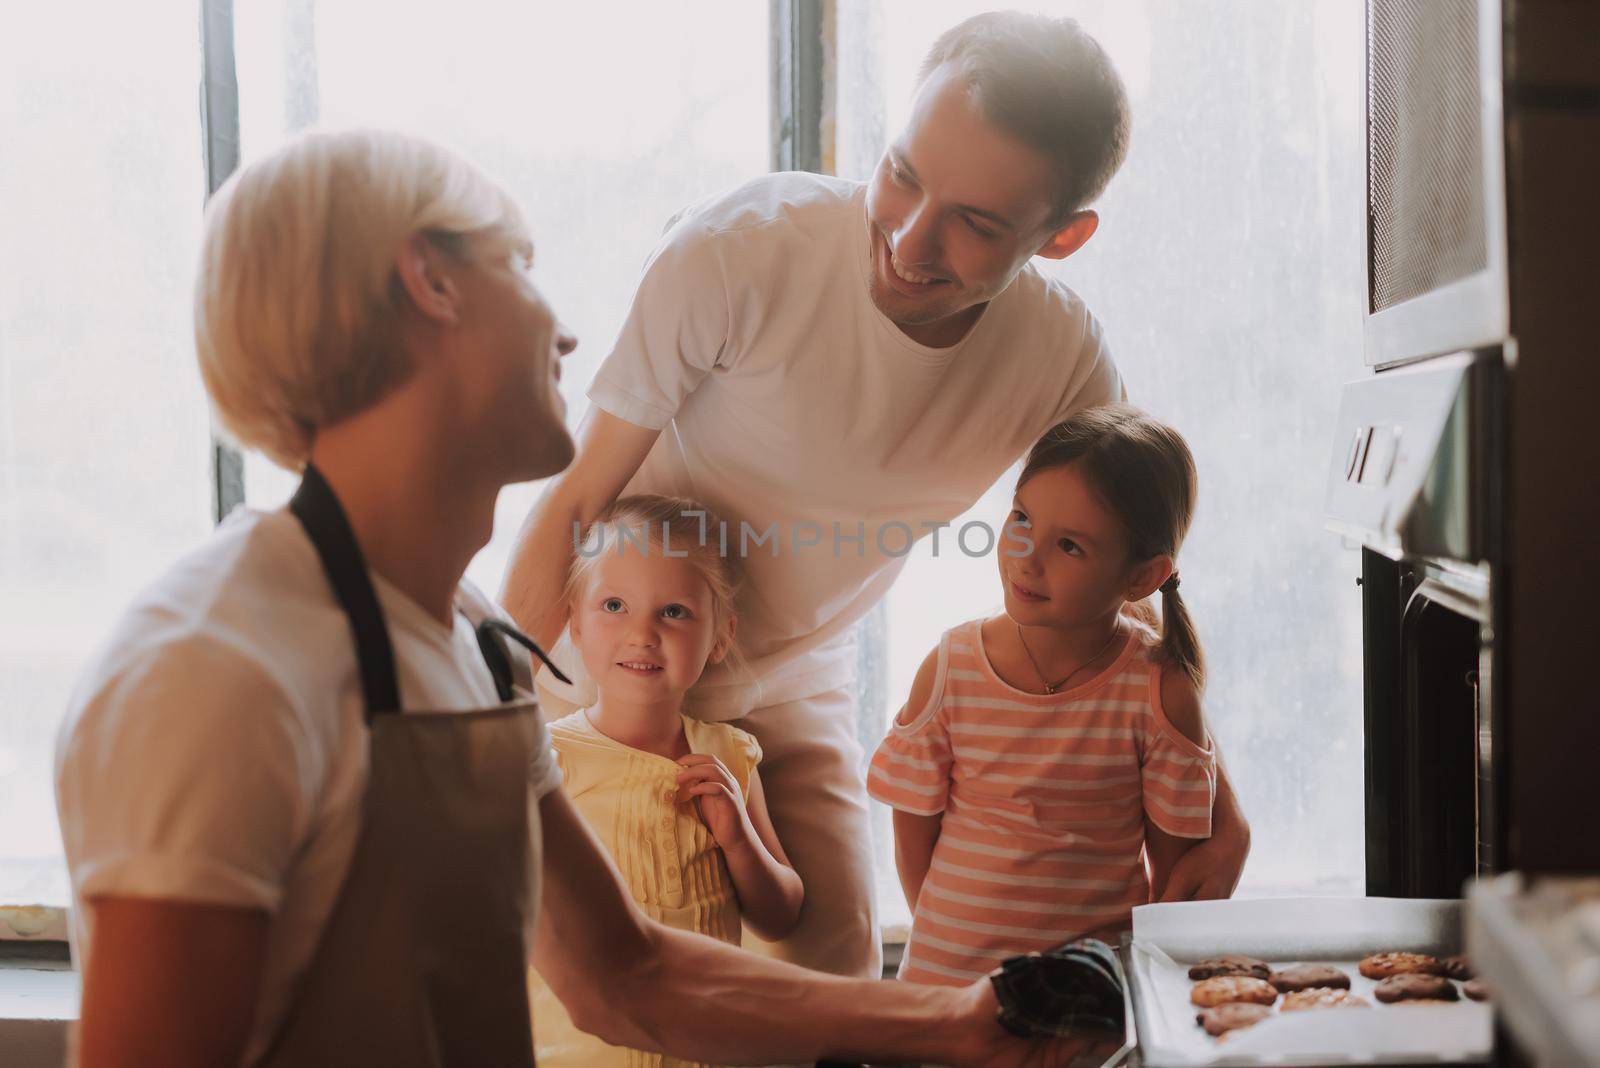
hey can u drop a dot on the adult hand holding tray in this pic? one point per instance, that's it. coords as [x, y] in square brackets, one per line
[1283, 931]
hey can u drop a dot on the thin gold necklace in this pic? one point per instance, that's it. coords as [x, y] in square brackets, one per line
[1052, 687]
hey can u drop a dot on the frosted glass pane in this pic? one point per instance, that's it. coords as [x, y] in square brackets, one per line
[103, 431]
[1228, 274]
[603, 120]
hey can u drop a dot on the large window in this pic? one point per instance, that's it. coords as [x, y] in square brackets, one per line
[603, 120]
[103, 435]
[1228, 275]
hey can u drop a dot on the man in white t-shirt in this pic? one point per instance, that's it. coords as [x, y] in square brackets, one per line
[839, 369]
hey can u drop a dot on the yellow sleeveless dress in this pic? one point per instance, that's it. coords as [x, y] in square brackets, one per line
[667, 856]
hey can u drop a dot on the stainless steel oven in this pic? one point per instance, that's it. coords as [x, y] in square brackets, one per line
[1419, 482]
[1465, 459]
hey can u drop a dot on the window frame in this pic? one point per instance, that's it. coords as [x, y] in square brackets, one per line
[219, 126]
[801, 79]
[47, 926]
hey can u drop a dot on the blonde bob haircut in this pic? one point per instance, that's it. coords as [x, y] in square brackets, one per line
[297, 301]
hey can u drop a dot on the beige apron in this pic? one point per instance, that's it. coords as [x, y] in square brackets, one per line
[424, 958]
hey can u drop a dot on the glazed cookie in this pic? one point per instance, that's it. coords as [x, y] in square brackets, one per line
[1222, 989]
[1415, 986]
[1475, 989]
[1457, 968]
[1322, 998]
[1308, 977]
[1229, 964]
[1383, 965]
[1223, 1018]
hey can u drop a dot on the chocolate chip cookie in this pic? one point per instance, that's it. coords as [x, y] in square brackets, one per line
[1383, 965]
[1308, 977]
[1229, 964]
[1457, 968]
[1322, 998]
[1223, 1018]
[1222, 989]
[1415, 986]
[1475, 989]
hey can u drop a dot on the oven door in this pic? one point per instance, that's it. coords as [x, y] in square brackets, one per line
[1429, 745]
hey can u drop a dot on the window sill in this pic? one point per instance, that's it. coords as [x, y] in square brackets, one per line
[40, 992]
[31, 923]
[38, 1000]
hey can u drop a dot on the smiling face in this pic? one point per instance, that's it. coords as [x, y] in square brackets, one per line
[645, 625]
[1081, 568]
[512, 344]
[955, 209]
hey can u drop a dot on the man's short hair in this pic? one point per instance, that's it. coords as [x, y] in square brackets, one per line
[1048, 83]
[297, 302]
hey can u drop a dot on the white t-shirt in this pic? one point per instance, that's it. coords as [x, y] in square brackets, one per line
[216, 750]
[789, 400]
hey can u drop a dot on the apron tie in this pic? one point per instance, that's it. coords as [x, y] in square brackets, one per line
[499, 661]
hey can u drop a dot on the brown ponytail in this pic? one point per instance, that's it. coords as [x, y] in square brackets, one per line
[1143, 470]
[1178, 637]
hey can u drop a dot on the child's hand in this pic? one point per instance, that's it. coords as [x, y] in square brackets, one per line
[721, 804]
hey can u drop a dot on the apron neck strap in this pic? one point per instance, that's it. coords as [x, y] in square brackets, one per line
[318, 510]
[495, 655]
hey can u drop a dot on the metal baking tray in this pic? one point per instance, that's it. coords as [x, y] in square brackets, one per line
[1125, 1056]
[1282, 931]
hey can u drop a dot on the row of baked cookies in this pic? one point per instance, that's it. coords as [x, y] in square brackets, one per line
[1234, 991]
[1420, 977]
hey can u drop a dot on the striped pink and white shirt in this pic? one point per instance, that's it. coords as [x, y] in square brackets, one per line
[1043, 800]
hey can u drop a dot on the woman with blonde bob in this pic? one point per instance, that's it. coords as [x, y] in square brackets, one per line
[310, 812]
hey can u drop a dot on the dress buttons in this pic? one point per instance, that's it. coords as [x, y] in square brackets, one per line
[672, 878]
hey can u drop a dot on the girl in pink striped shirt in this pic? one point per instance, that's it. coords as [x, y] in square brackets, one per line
[1051, 764]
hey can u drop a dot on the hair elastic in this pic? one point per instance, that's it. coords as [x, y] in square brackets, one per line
[1171, 585]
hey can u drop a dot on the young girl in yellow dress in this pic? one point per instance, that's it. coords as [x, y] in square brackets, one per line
[676, 802]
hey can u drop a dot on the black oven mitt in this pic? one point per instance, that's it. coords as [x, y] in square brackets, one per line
[1062, 991]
